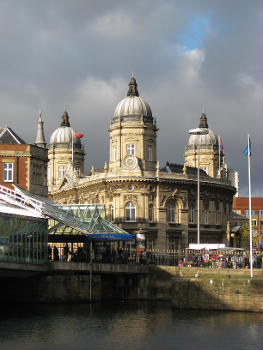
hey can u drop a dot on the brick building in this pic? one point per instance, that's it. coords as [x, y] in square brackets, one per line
[241, 206]
[21, 163]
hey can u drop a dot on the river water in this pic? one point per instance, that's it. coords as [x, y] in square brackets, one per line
[127, 326]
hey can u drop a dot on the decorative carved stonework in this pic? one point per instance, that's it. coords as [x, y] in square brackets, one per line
[162, 201]
[130, 197]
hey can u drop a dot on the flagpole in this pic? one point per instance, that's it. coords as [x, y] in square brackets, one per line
[72, 149]
[219, 149]
[250, 221]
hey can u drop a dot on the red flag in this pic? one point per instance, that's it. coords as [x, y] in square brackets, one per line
[220, 143]
[79, 136]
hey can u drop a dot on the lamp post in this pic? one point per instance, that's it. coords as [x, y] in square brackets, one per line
[198, 132]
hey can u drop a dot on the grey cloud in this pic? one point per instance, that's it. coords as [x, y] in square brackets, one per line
[57, 53]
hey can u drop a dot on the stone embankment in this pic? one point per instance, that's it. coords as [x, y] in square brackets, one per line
[210, 289]
[185, 288]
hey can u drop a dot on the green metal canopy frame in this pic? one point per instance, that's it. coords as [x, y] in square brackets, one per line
[90, 217]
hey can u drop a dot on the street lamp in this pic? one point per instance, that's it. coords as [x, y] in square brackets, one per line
[198, 132]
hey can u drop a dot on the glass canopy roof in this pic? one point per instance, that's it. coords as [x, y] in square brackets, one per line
[86, 219]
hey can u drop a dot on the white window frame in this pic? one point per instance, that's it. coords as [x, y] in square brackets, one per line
[8, 172]
[130, 212]
[130, 148]
[114, 153]
[149, 152]
[61, 172]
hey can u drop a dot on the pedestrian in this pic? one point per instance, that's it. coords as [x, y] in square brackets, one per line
[55, 254]
[49, 252]
[65, 252]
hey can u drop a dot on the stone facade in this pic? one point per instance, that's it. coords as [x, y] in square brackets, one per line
[141, 197]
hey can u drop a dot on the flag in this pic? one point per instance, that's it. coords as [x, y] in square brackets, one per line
[247, 150]
[220, 143]
[79, 136]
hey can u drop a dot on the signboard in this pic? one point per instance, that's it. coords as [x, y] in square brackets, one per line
[206, 246]
[140, 240]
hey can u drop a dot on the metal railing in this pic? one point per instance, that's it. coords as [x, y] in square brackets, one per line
[180, 258]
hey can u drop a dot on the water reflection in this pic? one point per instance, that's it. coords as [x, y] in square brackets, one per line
[130, 326]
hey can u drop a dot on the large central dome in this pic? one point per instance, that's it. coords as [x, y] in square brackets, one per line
[132, 107]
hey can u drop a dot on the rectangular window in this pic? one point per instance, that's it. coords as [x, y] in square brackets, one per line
[150, 152]
[191, 215]
[61, 170]
[217, 218]
[114, 153]
[8, 172]
[111, 213]
[130, 212]
[130, 149]
[205, 217]
[171, 244]
[151, 244]
[150, 212]
[171, 213]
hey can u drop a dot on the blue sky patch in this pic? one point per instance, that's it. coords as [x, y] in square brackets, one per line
[193, 37]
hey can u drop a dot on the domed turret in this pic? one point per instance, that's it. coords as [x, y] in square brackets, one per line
[133, 134]
[209, 139]
[207, 146]
[62, 136]
[63, 153]
[132, 107]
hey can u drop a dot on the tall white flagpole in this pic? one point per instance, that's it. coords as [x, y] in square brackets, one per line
[72, 149]
[219, 145]
[250, 221]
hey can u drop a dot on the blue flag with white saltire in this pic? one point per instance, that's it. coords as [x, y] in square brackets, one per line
[247, 150]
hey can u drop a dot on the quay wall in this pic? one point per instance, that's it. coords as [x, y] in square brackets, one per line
[185, 288]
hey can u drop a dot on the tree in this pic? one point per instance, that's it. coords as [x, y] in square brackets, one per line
[245, 233]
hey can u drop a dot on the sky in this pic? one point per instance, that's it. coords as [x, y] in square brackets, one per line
[187, 56]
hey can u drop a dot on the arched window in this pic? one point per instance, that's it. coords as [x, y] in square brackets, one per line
[151, 212]
[170, 213]
[114, 153]
[130, 212]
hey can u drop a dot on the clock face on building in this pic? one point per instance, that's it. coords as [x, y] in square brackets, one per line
[130, 162]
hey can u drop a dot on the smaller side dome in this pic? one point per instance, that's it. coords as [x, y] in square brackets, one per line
[62, 136]
[209, 140]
